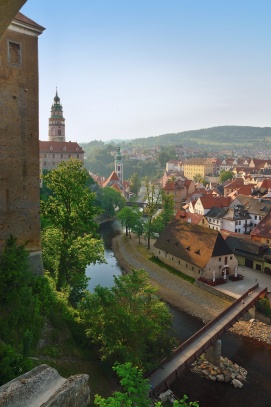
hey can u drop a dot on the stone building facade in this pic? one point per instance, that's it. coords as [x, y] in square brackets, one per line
[19, 136]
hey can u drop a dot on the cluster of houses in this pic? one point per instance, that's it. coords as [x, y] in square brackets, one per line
[218, 227]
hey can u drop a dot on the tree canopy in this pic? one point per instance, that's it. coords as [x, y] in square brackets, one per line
[71, 241]
[129, 321]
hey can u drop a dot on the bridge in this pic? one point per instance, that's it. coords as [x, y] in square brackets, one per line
[171, 368]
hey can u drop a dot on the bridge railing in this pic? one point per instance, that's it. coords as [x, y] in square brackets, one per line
[185, 344]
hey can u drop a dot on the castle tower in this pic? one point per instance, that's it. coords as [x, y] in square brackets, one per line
[56, 121]
[119, 165]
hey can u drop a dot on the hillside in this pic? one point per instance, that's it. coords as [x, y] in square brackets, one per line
[221, 135]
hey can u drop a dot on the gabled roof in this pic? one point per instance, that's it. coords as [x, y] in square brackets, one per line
[243, 199]
[238, 244]
[27, 21]
[236, 214]
[184, 216]
[216, 213]
[259, 206]
[263, 229]
[192, 243]
[209, 201]
[60, 147]
[112, 177]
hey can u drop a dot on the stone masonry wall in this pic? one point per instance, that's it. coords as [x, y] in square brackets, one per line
[19, 144]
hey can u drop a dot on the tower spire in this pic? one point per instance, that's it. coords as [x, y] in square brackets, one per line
[119, 165]
[56, 131]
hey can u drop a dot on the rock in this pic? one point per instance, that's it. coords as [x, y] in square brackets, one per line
[205, 373]
[44, 386]
[211, 377]
[220, 378]
[227, 378]
[237, 383]
[165, 396]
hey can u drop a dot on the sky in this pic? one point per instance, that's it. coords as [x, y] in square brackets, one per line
[126, 69]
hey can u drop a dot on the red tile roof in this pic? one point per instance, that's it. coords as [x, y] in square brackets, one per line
[60, 147]
[263, 229]
[184, 216]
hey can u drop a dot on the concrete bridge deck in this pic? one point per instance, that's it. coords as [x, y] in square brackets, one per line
[197, 344]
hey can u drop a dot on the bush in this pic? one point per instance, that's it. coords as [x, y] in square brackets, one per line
[12, 364]
[263, 306]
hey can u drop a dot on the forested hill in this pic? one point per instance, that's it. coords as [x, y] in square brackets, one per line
[226, 135]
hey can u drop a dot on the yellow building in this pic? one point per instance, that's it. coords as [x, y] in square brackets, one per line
[199, 166]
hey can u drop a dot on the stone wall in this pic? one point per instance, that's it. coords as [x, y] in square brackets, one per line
[19, 140]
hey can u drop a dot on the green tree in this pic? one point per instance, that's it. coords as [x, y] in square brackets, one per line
[166, 214]
[71, 242]
[225, 176]
[110, 201]
[135, 183]
[153, 201]
[128, 218]
[135, 391]
[129, 321]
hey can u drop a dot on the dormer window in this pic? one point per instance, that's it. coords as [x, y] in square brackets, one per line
[64, 148]
[198, 251]
[51, 148]
[188, 248]
[77, 149]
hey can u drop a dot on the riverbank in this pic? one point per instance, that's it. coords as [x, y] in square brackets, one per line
[180, 293]
[172, 289]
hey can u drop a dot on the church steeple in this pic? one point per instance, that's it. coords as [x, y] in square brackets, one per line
[56, 131]
[119, 165]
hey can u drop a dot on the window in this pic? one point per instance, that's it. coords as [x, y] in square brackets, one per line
[51, 148]
[192, 268]
[44, 155]
[219, 259]
[255, 217]
[64, 148]
[14, 53]
[53, 155]
[230, 257]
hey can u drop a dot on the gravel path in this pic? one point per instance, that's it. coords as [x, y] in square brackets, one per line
[172, 289]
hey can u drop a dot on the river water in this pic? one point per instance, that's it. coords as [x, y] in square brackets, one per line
[250, 354]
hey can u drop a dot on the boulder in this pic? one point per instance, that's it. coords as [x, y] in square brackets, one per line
[44, 386]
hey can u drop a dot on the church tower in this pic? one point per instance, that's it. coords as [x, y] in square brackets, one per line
[56, 121]
[119, 165]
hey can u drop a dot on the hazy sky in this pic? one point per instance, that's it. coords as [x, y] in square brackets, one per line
[137, 68]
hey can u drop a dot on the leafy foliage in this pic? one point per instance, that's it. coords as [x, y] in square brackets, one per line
[153, 199]
[135, 183]
[225, 176]
[128, 321]
[12, 363]
[135, 391]
[18, 303]
[71, 242]
[109, 200]
[263, 306]
[129, 218]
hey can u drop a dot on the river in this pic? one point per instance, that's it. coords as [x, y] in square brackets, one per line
[250, 354]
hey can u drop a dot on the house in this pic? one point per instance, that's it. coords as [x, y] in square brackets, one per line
[237, 220]
[199, 166]
[205, 203]
[179, 190]
[257, 208]
[262, 232]
[252, 254]
[195, 250]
